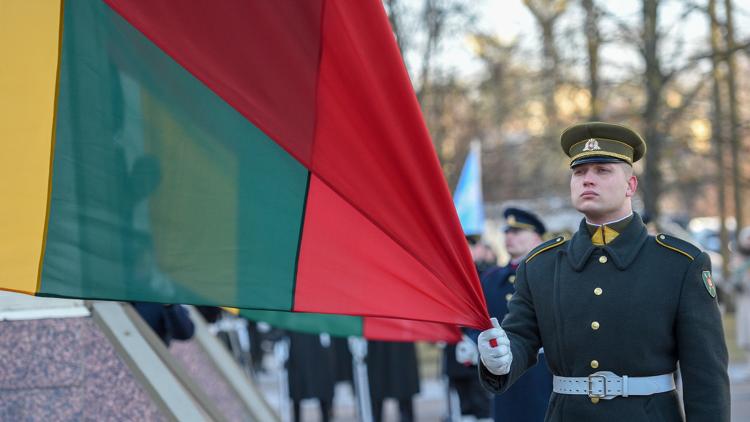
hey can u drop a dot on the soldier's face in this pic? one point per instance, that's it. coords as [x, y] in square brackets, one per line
[519, 242]
[602, 191]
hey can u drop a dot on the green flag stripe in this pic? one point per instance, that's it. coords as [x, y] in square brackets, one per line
[335, 325]
[160, 190]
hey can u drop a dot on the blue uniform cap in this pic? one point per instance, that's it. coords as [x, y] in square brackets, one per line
[516, 218]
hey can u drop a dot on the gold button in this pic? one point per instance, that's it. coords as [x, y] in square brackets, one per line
[512, 279]
[598, 291]
[594, 364]
[508, 296]
[595, 400]
[603, 259]
[595, 325]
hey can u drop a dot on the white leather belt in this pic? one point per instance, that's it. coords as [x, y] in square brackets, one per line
[606, 385]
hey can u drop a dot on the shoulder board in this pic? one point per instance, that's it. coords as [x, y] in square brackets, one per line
[552, 243]
[678, 245]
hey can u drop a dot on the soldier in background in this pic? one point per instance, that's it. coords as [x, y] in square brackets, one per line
[393, 372]
[527, 399]
[311, 371]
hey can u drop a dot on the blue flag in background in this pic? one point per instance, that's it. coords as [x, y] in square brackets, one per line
[468, 195]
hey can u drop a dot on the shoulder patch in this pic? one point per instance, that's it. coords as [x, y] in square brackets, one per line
[709, 283]
[552, 243]
[678, 245]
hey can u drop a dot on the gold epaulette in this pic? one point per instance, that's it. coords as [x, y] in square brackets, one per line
[678, 245]
[552, 243]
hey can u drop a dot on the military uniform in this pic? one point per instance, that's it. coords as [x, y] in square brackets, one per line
[393, 371]
[311, 372]
[616, 310]
[528, 398]
[636, 306]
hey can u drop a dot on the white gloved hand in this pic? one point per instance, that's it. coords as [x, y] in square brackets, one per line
[466, 352]
[496, 359]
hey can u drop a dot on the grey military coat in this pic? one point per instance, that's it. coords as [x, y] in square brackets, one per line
[636, 307]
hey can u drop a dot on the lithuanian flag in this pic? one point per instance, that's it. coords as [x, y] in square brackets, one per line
[248, 153]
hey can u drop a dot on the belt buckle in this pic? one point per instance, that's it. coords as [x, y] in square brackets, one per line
[591, 394]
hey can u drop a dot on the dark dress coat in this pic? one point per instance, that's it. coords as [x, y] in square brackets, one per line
[527, 399]
[344, 370]
[311, 368]
[392, 370]
[654, 310]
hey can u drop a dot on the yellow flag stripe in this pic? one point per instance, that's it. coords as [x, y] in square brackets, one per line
[30, 41]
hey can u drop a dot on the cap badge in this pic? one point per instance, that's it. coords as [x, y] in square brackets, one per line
[591, 145]
[511, 220]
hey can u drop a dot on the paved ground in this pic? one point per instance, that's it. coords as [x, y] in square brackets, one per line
[430, 404]
[739, 376]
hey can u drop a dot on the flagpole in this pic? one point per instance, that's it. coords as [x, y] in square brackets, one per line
[453, 404]
[281, 352]
[358, 349]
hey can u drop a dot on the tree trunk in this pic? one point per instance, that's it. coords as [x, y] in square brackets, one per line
[734, 127]
[718, 137]
[433, 17]
[546, 14]
[654, 82]
[394, 17]
[593, 43]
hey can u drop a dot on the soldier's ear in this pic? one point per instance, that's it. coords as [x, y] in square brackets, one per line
[632, 186]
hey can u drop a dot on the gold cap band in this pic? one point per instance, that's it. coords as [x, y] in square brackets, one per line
[601, 147]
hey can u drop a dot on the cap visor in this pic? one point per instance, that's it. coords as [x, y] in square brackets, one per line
[596, 159]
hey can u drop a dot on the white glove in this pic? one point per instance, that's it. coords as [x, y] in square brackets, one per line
[496, 359]
[466, 352]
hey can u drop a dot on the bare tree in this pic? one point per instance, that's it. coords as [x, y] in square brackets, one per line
[516, 106]
[396, 12]
[654, 79]
[433, 17]
[500, 96]
[734, 120]
[718, 136]
[437, 18]
[593, 44]
[546, 13]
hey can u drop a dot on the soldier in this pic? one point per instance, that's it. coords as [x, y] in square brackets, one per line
[614, 308]
[527, 399]
[311, 372]
[393, 371]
